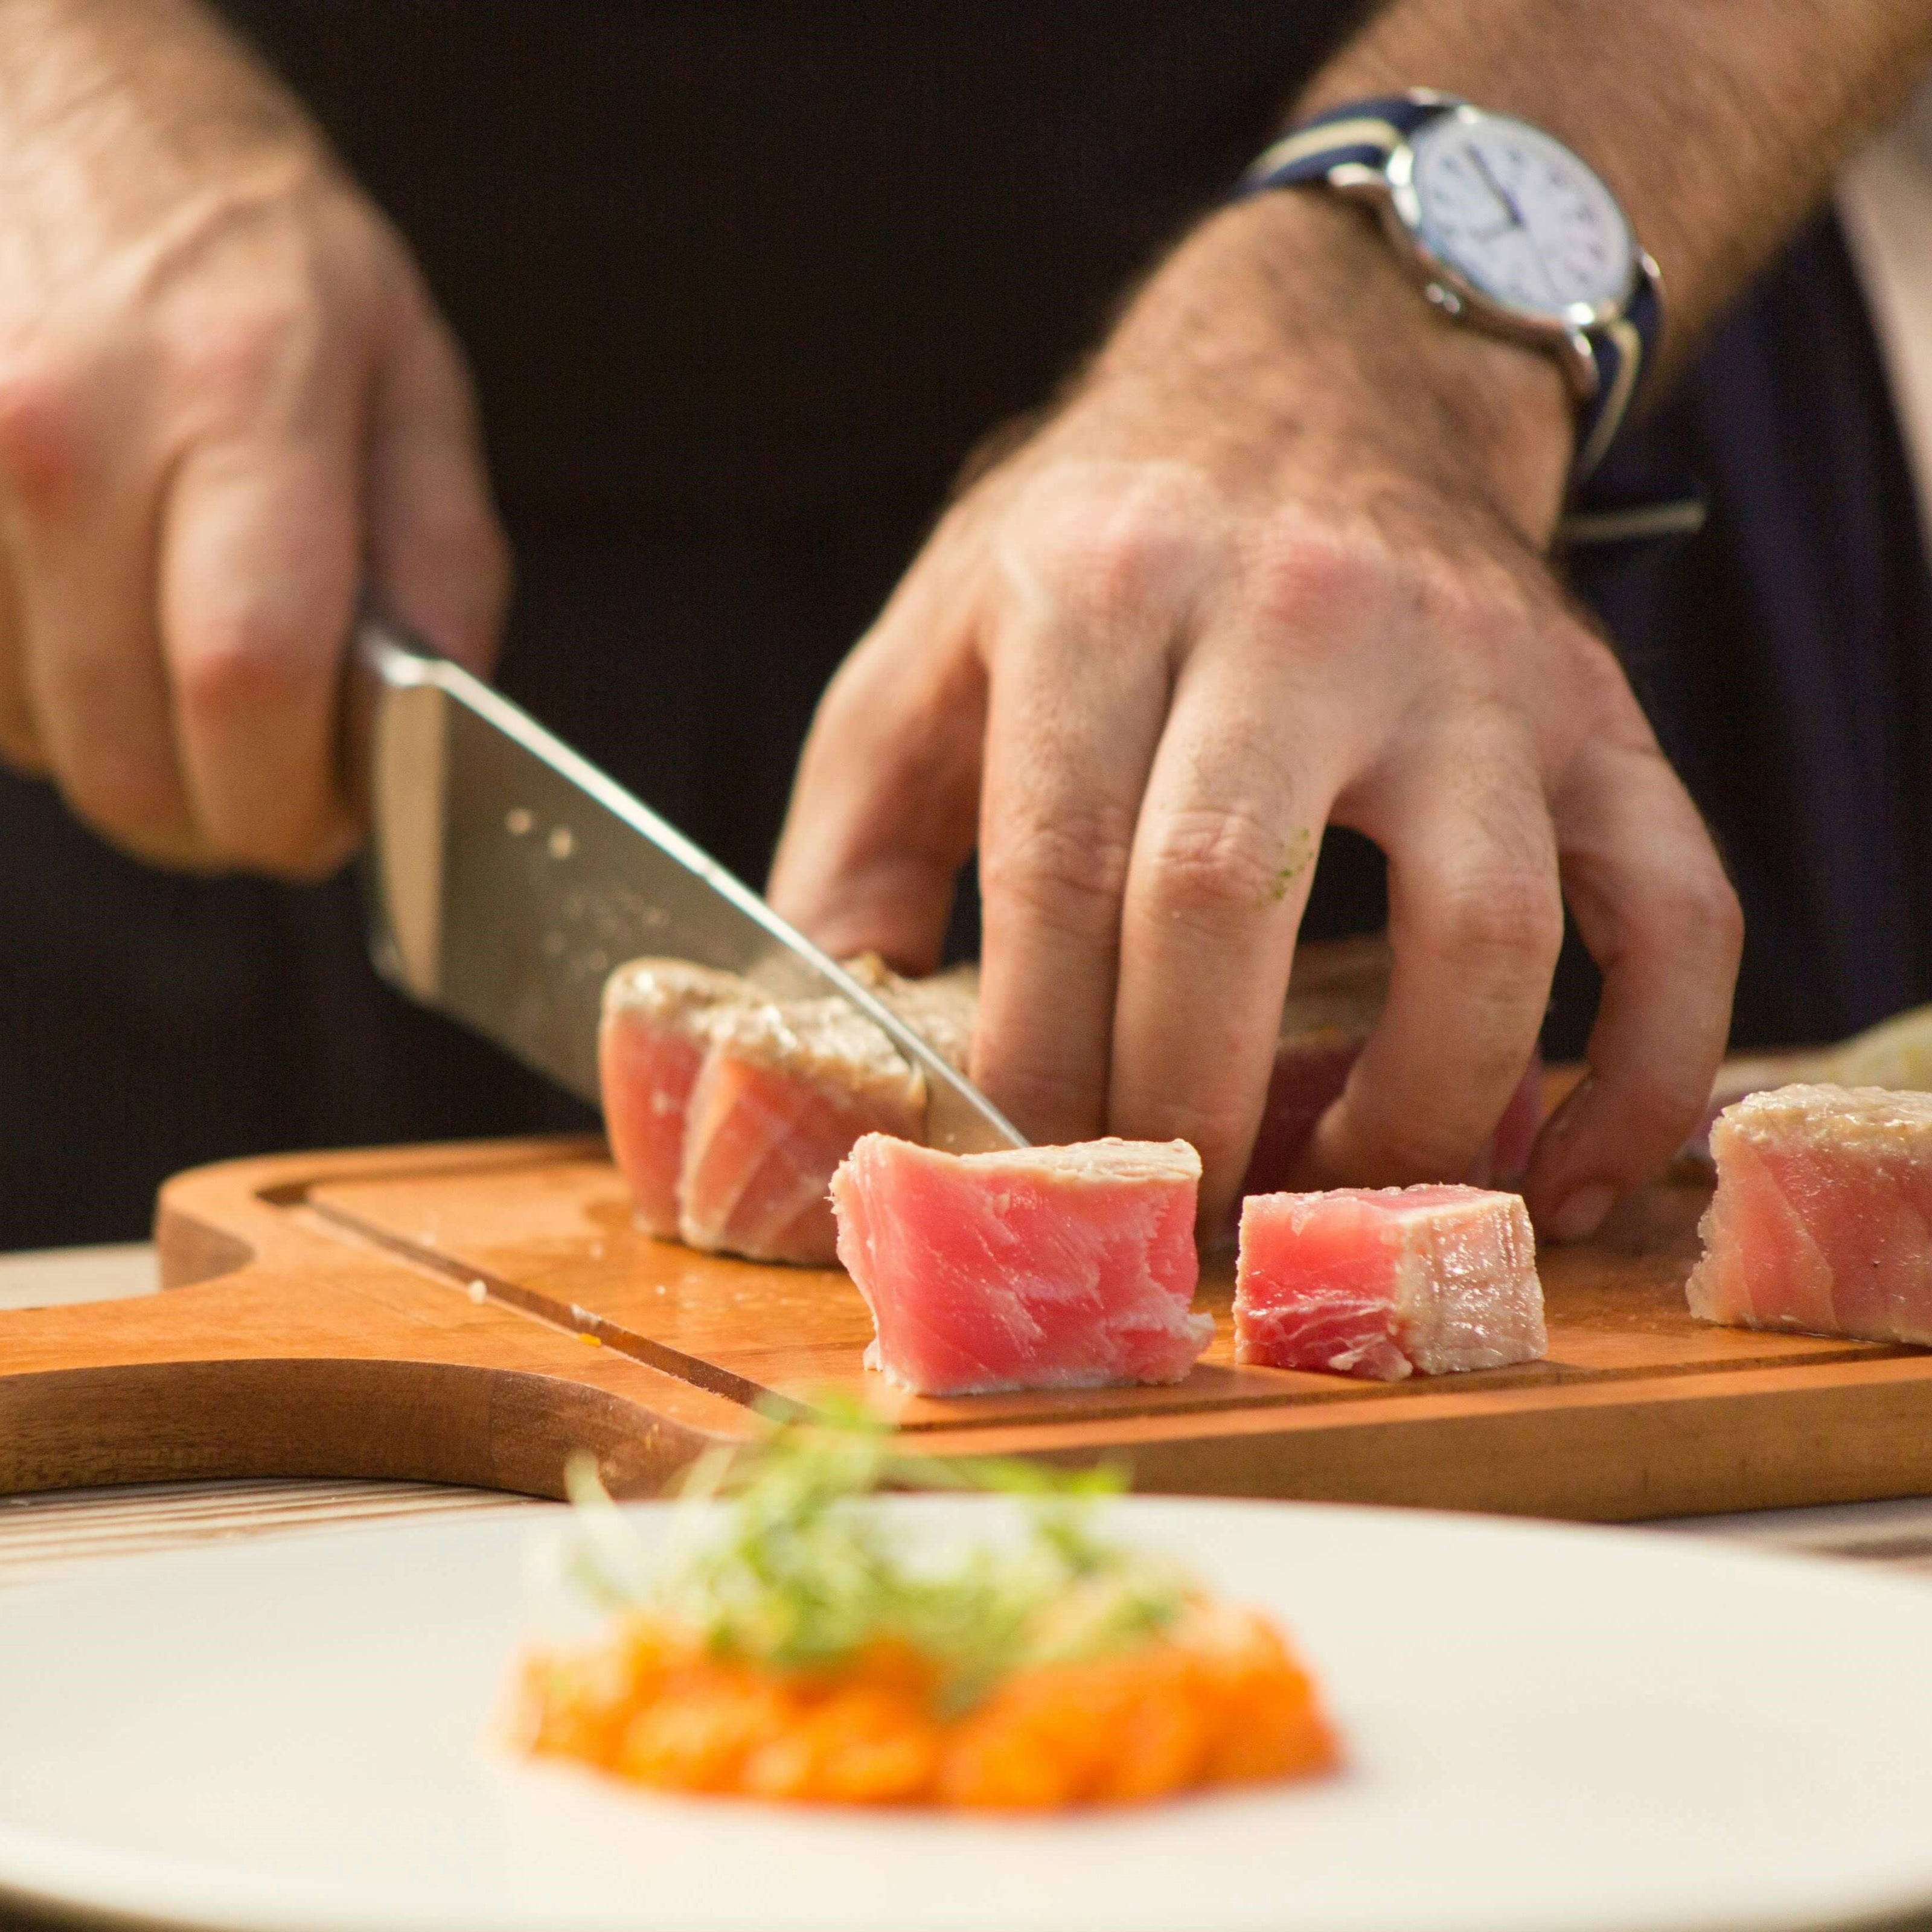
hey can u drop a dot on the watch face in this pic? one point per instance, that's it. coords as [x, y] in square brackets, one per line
[1517, 215]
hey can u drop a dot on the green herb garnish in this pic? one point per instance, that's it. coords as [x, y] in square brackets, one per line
[803, 1571]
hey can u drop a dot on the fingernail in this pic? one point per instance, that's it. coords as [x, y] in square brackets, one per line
[1580, 1216]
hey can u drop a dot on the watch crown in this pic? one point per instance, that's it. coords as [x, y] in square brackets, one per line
[1446, 299]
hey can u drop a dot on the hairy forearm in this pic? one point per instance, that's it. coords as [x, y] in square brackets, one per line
[1719, 123]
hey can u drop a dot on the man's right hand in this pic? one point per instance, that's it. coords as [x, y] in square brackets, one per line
[226, 402]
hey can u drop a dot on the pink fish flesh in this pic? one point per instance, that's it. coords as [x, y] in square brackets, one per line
[1044, 1268]
[728, 1110]
[1386, 1282]
[784, 1092]
[657, 1015]
[1822, 1220]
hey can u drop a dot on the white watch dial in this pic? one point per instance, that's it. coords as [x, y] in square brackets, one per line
[1517, 214]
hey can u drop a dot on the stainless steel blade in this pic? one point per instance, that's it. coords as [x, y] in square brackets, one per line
[506, 876]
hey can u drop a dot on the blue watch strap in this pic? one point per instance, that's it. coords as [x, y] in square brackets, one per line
[1620, 348]
[1365, 133]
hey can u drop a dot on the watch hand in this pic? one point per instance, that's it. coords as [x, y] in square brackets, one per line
[1516, 221]
[1496, 188]
[1542, 267]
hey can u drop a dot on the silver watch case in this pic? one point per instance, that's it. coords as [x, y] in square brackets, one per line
[1390, 191]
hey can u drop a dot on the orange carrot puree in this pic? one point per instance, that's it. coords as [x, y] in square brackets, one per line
[1216, 1699]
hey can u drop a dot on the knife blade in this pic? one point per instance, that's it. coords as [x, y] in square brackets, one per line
[505, 876]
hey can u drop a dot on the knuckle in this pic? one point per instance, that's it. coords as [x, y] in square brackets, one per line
[1700, 909]
[1311, 576]
[1412, 1152]
[1711, 910]
[467, 533]
[1660, 1101]
[125, 792]
[1385, 1144]
[1223, 1132]
[1051, 1104]
[850, 704]
[1497, 917]
[1209, 864]
[1112, 553]
[1604, 700]
[42, 432]
[1726, 912]
[234, 357]
[266, 289]
[1070, 869]
[20, 749]
[302, 854]
[248, 659]
[1479, 594]
[456, 551]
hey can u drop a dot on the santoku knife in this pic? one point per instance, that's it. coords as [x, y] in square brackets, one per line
[506, 877]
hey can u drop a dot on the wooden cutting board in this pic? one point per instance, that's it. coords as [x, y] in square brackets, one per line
[471, 1313]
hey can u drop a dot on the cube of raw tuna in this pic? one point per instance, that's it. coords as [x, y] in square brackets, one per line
[655, 1030]
[1823, 1217]
[1044, 1268]
[728, 1110]
[1388, 1282]
[784, 1092]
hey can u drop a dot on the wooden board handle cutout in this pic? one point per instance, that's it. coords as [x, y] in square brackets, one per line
[281, 1346]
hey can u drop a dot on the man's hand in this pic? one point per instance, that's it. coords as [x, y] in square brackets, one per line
[226, 401]
[1275, 564]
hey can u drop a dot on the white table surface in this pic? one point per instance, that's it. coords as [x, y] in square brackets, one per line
[42, 1534]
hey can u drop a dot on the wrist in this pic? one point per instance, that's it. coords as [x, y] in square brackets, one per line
[1297, 304]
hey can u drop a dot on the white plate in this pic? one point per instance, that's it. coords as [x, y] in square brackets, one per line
[1546, 1727]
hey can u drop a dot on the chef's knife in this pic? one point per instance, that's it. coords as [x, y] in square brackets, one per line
[506, 877]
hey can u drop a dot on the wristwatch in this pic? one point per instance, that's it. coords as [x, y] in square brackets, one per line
[1505, 228]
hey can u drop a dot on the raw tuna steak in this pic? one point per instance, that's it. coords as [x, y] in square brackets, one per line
[728, 1110]
[1046, 1267]
[658, 1015]
[1823, 1217]
[1389, 1282]
[784, 1092]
